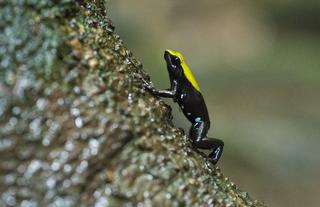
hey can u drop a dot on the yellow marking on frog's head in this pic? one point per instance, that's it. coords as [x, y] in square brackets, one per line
[186, 70]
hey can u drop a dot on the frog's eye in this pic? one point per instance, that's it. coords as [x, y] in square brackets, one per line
[176, 60]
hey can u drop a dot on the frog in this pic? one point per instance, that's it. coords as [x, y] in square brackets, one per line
[186, 92]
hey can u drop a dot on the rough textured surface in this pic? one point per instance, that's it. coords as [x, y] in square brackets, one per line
[77, 127]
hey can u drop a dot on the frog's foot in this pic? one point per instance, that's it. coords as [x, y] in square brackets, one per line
[147, 84]
[215, 155]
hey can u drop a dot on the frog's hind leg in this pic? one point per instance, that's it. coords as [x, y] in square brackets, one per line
[198, 136]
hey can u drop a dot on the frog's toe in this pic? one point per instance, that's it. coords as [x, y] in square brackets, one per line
[216, 154]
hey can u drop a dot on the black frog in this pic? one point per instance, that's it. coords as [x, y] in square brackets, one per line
[186, 92]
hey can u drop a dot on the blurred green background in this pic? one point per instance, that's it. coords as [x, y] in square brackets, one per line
[257, 63]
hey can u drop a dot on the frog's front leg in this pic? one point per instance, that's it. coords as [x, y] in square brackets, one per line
[169, 93]
[198, 136]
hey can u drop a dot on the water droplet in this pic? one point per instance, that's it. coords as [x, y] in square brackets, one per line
[83, 165]
[109, 110]
[21, 85]
[41, 104]
[77, 90]
[108, 190]
[9, 199]
[51, 132]
[78, 122]
[101, 202]
[97, 194]
[69, 146]
[21, 168]
[33, 167]
[66, 183]
[13, 122]
[9, 179]
[168, 195]
[127, 61]
[28, 203]
[45, 142]
[55, 166]
[94, 146]
[64, 156]
[16, 110]
[75, 111]
[60, 101]
[67, 168]
[146, 194]
[35, 127]
[51, 182]
[91, 104]
[130, 98]
[116, 47]
[6, 143]
[141, 167]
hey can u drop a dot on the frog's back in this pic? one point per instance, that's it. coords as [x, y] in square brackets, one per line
[191, 102]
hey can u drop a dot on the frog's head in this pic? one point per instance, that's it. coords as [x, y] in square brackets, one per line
[178, 68]
[174, 60]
